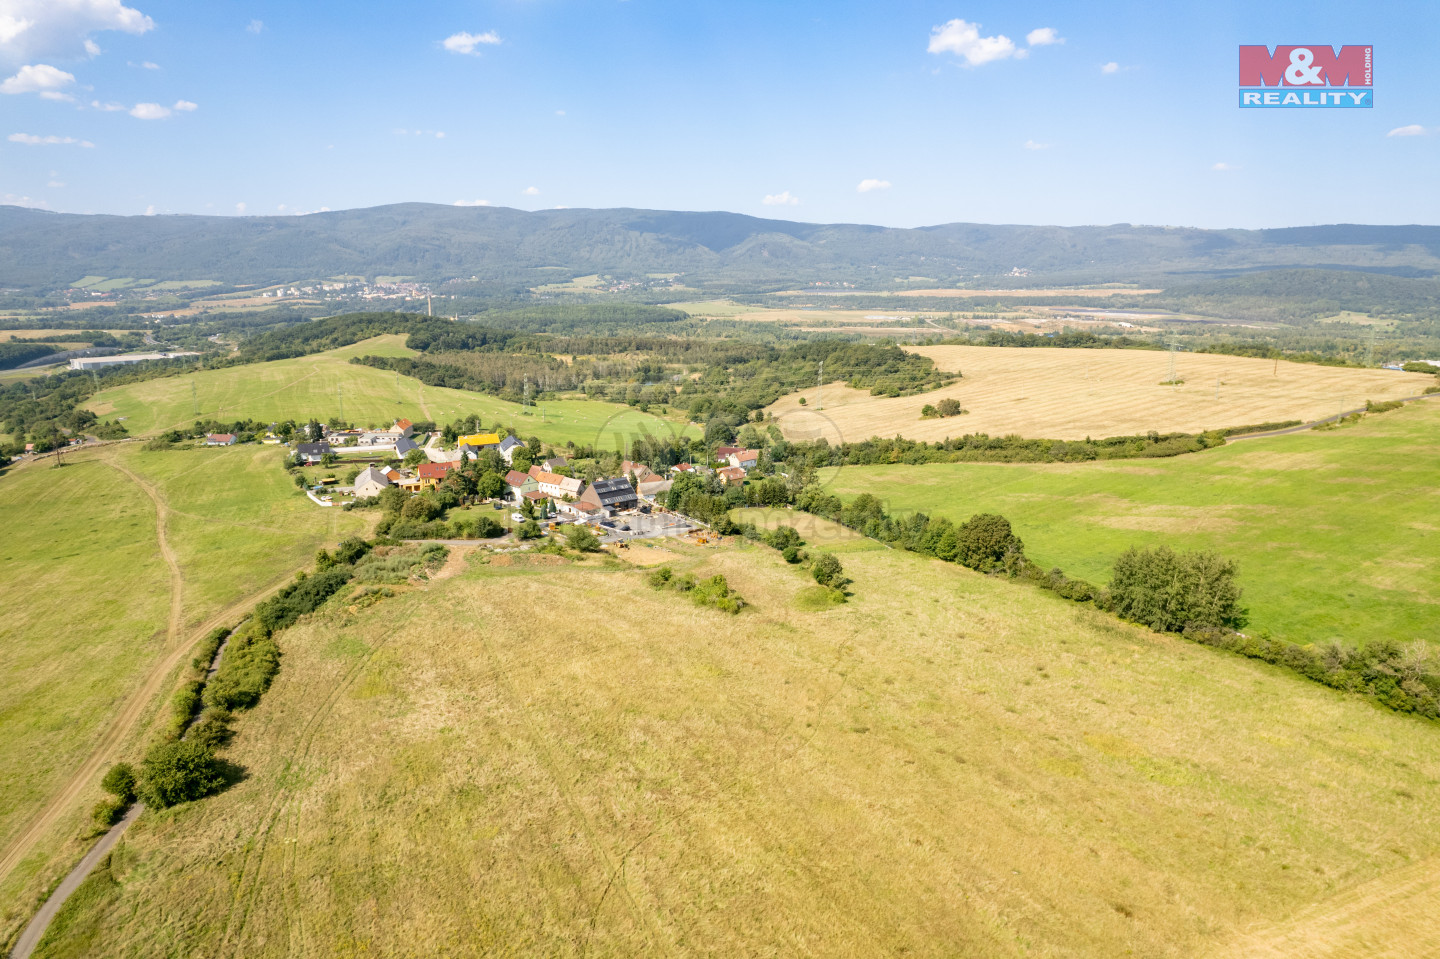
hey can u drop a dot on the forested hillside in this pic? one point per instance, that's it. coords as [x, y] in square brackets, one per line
[514, 249]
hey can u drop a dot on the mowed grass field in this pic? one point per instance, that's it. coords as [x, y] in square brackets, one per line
[321, 384]
[1072, 394]
[1337, 533]
[557, 760]
[91, 607]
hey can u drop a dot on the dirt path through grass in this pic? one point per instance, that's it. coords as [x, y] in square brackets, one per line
[177, 647]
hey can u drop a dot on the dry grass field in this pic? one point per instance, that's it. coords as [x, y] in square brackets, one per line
[553, 759]
[1072, 394]
[948, 294]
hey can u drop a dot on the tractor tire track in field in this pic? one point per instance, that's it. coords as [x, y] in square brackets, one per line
[1369, 916]
[643, 919]
[246, 896]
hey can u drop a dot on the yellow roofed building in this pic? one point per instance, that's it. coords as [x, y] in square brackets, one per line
[480, 440]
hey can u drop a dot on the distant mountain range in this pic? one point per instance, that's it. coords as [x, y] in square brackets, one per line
[516, 249]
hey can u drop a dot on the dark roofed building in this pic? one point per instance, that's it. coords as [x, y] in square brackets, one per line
[611, 494]
[313, 452]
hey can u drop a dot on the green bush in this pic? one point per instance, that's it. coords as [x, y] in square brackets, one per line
[1170, 591]
[351, 550]
[582, 538]
[783, 538]
[119, 781]
[205, 649]
[828, 572]
[212, 729]
[178, 772]
[487, 528]
[985, 541]
[528, 530]
[714, 592]
[251, 662]
[108, 812]
[184, 705]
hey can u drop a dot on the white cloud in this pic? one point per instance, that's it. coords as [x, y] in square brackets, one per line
[150, 210]
[63, 27]
[57, 184]
[1111, 67]
[240, 207]
[559, 113]
[464, 42]
[37, 78]
[147, 65]
[532, 191]
[472, 202]
[781, 199]
[30, 140]
[869, 186]
[255, 26]
[56, 95]
[107, 107]
[185, 106]
[1043, 37]
[963, 39]
[1032, 145]
[439, 134]
[1413, 130]
[1223, 167]
[10, 199]
[149, 111]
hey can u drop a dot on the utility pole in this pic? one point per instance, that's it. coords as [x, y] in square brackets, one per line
[820, 387]
[1370, 349]
[340, 392]
[194, 398]
[429, 306]
[397, 388]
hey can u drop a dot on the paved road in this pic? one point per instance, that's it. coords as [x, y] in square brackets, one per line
[1329, 419]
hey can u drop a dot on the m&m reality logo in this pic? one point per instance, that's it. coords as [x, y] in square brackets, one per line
[1310, 76]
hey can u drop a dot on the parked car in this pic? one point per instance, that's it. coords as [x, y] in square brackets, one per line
[517, 517]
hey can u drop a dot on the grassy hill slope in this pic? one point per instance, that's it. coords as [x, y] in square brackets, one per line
[528, 759]
[322, 384]
[94, 610]
[1335, 532]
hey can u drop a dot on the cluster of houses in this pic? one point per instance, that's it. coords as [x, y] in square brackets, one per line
[544, 485]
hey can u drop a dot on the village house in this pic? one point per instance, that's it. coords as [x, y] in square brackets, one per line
[520, 484]
[507, 448]
[480, 441]
[653, 487]
[370, 482]
[722, 453]
[220, 439]
[731, 474]
[745, 459]
[553, 484]
[312, 453]
[430, 475]
[555, 464]
[611, 495]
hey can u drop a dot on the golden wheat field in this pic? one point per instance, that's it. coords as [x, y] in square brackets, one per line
[1072, 394]
[536, 757]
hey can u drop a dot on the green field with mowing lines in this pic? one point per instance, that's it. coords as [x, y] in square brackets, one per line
[319, 385]
[89, 626]
[1336, 532]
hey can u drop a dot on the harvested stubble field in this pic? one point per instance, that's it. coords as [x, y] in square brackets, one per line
[1071, 394]
[96, 608]
[1336, 532]
[560, 761]
[321, 384]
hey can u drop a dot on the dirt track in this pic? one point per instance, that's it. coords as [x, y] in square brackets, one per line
[177, 647]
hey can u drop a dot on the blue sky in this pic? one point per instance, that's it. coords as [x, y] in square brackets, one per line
[772, 109]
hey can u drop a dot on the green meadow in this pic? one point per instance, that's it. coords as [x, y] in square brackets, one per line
[87, 628]
[1336, 533]
[325, 383]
